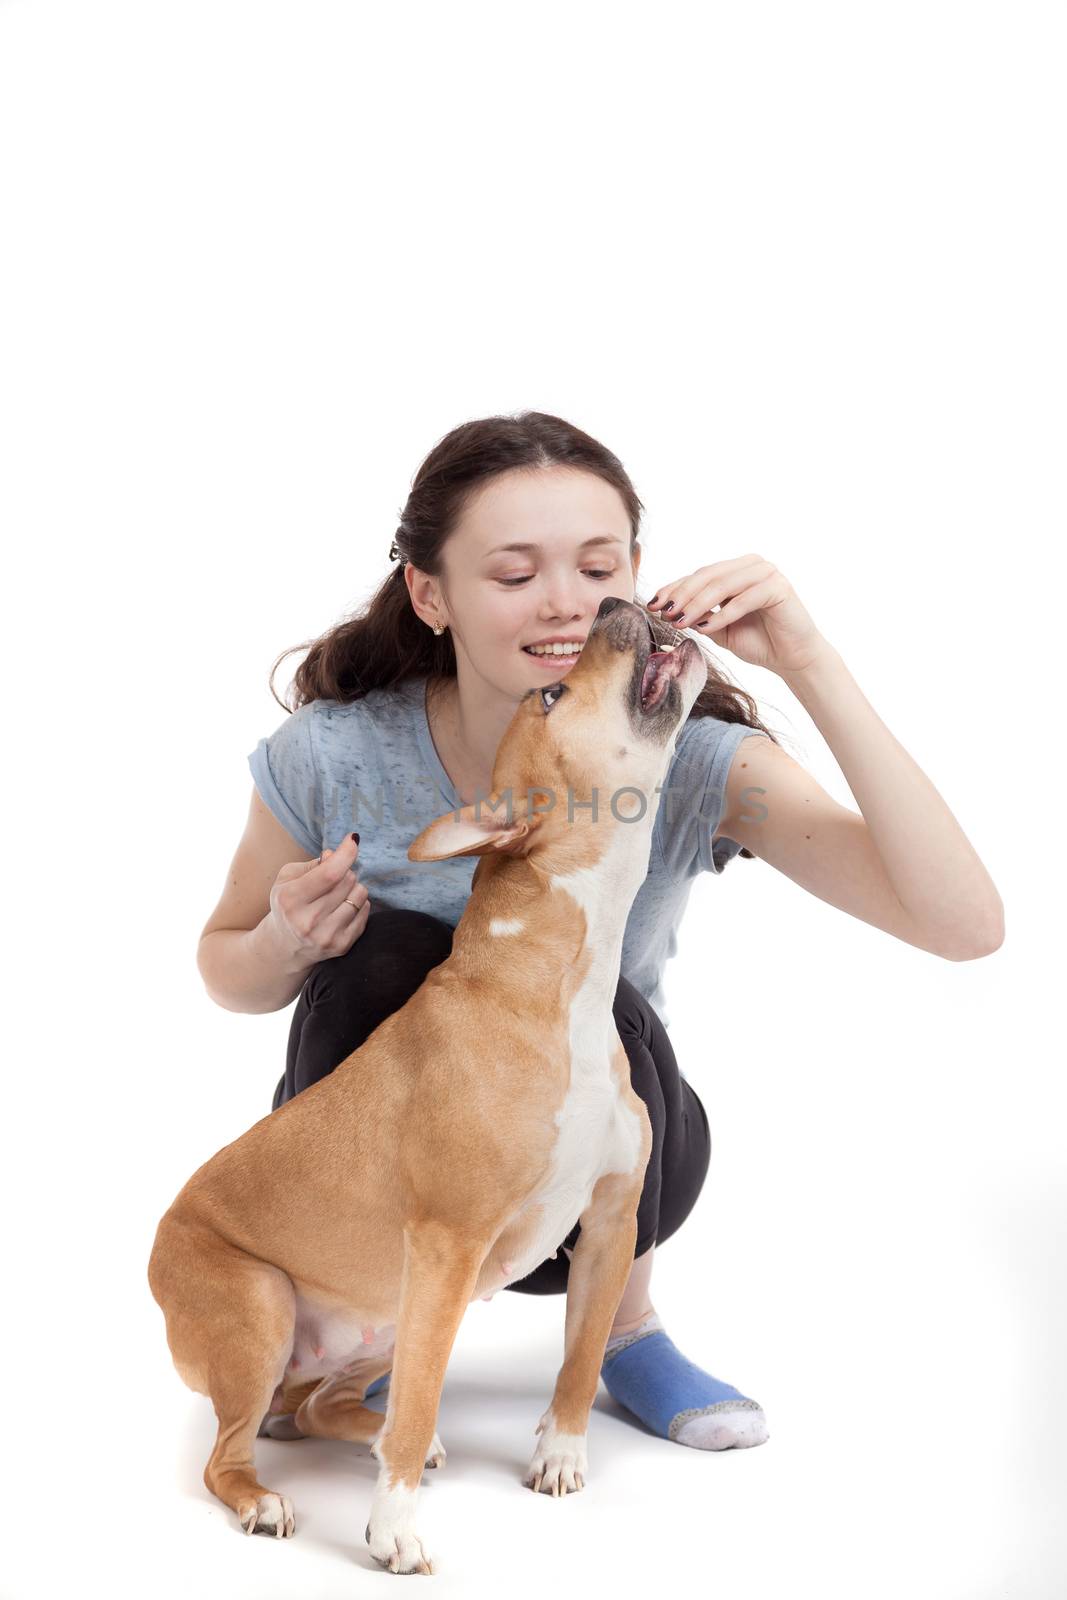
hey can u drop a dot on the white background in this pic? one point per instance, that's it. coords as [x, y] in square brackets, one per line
[801, 267]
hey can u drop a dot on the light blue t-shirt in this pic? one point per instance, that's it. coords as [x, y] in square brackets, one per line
[372, 766]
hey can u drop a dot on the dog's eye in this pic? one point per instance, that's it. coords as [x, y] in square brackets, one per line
[550, 695]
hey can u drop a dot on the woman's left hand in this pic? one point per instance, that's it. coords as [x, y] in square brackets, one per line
[761, 619]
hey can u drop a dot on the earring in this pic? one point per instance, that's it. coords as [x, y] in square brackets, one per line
[437, 628]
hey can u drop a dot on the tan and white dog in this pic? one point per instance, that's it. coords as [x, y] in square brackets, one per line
[347, 1232]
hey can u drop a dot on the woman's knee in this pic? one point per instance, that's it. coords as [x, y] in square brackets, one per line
[632, 1012]
[398, 928]
[395, 952]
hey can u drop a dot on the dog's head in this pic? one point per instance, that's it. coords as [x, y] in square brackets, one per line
[583, 757]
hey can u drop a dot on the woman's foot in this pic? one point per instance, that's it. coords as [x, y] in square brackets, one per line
[647, 1374]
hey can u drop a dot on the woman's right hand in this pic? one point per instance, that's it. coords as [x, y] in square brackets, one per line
[318, 909]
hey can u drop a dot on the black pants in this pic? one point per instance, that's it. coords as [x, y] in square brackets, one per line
[346, 997]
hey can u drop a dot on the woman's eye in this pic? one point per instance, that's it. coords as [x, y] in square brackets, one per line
[598, 573]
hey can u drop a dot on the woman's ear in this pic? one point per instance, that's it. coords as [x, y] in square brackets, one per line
[421, 591]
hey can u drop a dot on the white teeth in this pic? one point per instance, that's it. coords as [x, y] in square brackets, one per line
[553, 649]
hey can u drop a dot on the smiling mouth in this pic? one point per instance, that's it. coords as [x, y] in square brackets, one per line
[661, 667]
[552, 659]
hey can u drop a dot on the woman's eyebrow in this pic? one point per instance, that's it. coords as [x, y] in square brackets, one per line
[598, 538]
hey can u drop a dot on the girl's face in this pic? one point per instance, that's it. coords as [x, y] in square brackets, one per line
[497, 600]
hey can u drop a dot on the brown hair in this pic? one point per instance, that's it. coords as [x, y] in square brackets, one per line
[387, 642]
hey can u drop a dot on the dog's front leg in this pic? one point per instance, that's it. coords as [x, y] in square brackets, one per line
[600, 1267]
[440, 1274]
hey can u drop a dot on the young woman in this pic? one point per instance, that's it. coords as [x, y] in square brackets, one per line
[515, 530]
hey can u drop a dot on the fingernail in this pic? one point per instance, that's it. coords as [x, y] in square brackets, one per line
[679, 617]
[668, 607]
[652, 602]
[356, 837]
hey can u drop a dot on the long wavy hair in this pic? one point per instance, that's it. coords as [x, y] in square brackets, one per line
[386, 642]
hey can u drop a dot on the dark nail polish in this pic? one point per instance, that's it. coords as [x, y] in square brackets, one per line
[356, 837]
[669, 606]
[679, 617]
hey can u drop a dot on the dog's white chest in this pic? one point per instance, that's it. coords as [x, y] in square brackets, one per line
[598, 1133]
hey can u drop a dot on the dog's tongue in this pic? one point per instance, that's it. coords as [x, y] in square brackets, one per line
[660, 668]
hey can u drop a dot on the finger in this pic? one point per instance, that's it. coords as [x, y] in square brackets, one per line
[301, 868]
[708, 598]
[676, 606]
[697, 599]
[331, 866]
[678, 598]
[349, 888]
[346, 916]
[752, 599]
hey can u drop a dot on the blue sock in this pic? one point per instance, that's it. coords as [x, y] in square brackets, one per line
[646, 1372]
[670, 1395]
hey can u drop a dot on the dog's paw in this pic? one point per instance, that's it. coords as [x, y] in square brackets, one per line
[398, 1551]
[279, 1427]
[271, 1513]
[560, 1464]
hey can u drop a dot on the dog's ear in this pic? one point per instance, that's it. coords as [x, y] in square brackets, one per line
[478, 830]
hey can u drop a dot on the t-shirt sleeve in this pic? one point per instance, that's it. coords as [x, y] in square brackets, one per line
[288, 778]
[698, 785]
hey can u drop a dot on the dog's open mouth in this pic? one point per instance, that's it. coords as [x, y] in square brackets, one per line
[661, 668]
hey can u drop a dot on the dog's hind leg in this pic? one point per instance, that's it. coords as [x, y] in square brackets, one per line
[334, 1410]
[280, 1423]
[230, 1322]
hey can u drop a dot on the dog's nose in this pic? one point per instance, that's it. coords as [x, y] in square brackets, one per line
[608, 604]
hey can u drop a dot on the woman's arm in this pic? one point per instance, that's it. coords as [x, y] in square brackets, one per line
[905, 865]
[239, 959]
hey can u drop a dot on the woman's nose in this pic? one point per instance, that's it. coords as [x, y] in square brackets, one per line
[564, 604]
